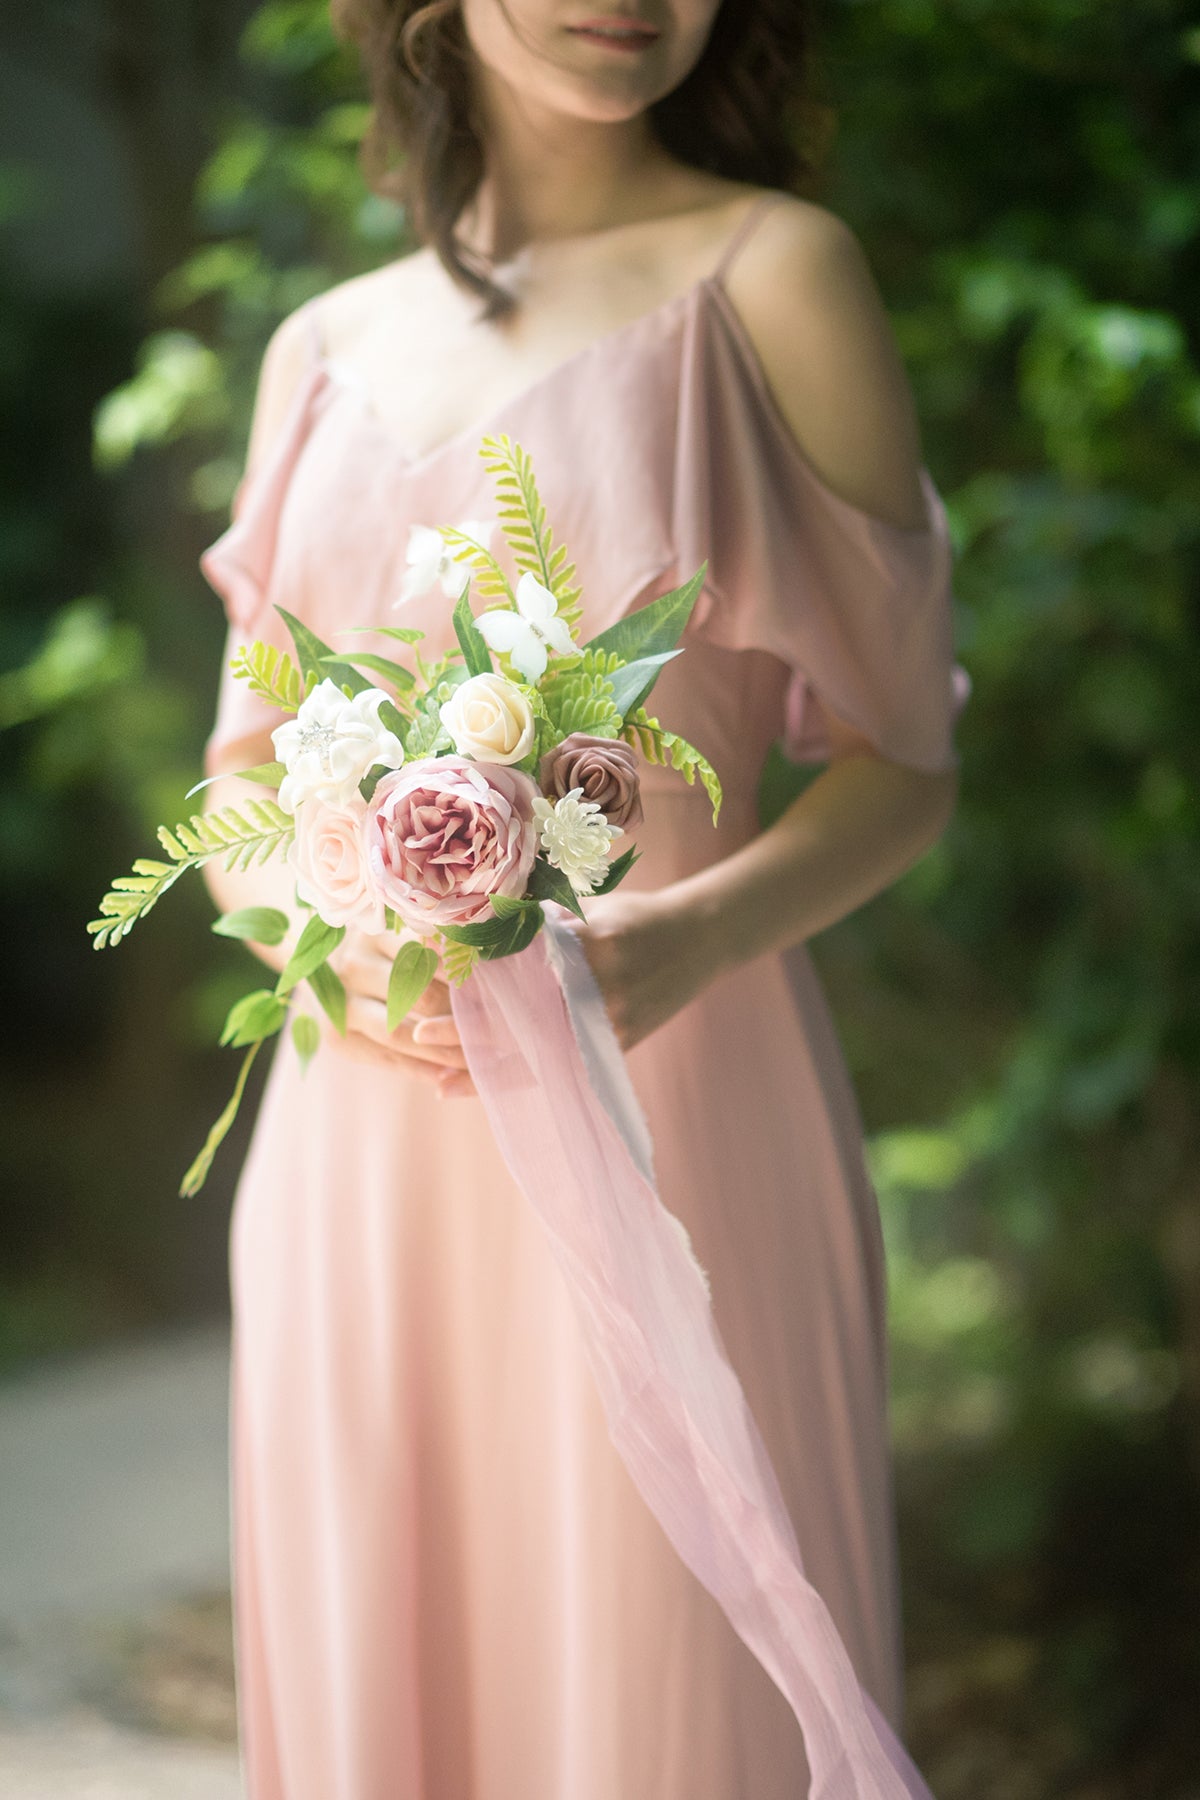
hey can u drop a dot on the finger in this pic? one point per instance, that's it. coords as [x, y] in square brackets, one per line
[455, 1084]
[370, 1017]
[441, 1029]
[366, 1050]
[435, 999]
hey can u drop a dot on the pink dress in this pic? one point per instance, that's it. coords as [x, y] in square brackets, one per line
[446, 1585]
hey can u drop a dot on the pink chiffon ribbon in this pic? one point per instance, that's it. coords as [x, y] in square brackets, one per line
[547, 1065]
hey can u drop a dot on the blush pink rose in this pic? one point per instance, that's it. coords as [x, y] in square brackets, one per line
[329, 855]
[605, 768]
[444, 833]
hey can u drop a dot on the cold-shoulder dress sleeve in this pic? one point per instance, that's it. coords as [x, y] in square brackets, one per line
[239, 566]
[861, 610]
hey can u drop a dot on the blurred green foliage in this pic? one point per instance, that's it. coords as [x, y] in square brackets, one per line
[1024, 178]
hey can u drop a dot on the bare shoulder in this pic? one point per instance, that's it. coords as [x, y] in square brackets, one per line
[805, 292]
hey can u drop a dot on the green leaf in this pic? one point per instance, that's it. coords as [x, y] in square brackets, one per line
[269, 774]
[413, 968]
[618, 868]
[654, 627]
[272, 675]
[315, 943]
[330, 996]
[311, 652]
[632, 683]
[516, 924]
[258, 924]
[548, 883]
[404, 634]
[475, 651]
[379, 665]
[306, 1037]
[254, 1016]
[196, 1176]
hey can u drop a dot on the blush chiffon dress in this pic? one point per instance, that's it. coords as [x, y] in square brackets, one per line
[446, 1586]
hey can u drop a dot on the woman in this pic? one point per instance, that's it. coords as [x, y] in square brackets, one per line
[445, 1582]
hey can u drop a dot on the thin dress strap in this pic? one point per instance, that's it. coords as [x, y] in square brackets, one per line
[749, 219]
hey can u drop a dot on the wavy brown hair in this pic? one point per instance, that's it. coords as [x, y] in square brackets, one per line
[745, 112]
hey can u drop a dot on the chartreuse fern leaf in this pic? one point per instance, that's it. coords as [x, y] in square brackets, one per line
[272, 675]
[488, 576]
[578, 695]
[457, 961]
[523, 520]
[666, 747]
[243, 835]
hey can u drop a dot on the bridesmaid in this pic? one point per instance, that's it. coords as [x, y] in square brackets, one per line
[445, 1585]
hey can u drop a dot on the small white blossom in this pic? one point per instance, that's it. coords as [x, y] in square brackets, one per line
[576, 837]
[526, 633]
[431, 559]
[330, 745]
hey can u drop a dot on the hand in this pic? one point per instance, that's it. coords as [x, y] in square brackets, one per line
[363, 964]
[648, 963]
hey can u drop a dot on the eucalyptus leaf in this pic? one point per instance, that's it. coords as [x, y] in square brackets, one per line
[257, 924]
[254, 1016]
[413, 968]
[330, 996]
[306, 1037]
[315, 943]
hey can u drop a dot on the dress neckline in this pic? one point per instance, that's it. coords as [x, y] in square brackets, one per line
[668, 312]
[671, 311]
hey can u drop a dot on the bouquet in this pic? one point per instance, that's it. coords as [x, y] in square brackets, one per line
[446, 801]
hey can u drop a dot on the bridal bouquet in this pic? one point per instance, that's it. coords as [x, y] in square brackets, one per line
[447, 801]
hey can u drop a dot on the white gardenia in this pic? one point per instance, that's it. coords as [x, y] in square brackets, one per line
[331, 744]
[431, 559]
[529, 633]
[489, 719]
[576, 837]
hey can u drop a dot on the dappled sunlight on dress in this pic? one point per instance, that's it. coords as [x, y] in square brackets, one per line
[446, 1585]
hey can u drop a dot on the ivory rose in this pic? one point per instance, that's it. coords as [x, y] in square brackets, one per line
[605, 768]
[329, 855]
[490, 719]
[444, 833]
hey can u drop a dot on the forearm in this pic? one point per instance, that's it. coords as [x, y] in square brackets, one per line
[857, 827]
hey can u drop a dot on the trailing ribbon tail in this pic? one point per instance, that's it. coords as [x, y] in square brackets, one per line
[547, 1065]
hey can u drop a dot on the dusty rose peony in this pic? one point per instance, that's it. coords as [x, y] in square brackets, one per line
[444, 833]
[329, 855]
[605, 768]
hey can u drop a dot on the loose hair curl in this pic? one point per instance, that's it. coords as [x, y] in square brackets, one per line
[744, 112]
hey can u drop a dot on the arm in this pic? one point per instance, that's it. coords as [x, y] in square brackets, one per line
[811, 307]
[362, 962]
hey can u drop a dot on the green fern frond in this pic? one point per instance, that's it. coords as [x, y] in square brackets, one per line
[523, 521]
[670, 750]
[458, 960]
[251, 833]
[579, 699]
[272, 675]
[490, 578]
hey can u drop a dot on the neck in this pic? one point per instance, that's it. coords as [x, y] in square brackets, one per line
[554, 175]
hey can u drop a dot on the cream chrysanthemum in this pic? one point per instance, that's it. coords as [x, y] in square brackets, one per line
[576, 837]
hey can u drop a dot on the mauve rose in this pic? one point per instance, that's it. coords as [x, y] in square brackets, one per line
[444, 833]
[329, 856]
[605, 768]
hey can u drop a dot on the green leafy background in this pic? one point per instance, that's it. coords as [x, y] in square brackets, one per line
[1019, 1011]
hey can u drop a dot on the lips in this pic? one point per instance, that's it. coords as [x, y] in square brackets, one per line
[616, 31]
